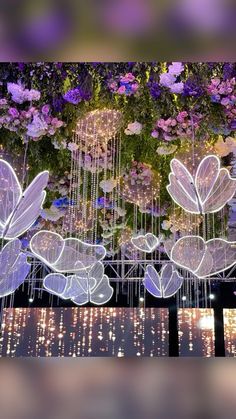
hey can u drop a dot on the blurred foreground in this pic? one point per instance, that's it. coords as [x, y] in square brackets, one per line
[89, 388]
[117, 30]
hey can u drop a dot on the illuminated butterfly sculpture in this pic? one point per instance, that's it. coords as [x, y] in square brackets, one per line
[18, 212]
[18, 209]
[206, 192]
[84, 287]
[65, 255]
[164, 284]
[88, 282]
[146, 243]
[14, 267]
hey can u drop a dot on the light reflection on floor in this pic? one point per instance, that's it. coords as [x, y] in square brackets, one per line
[62, 332]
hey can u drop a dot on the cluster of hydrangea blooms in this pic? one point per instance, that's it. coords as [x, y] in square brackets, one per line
[170, 78]
[179, 127]
[224, 93]
[94, 159]
[139, 174]
[125, 85]
[60, 184]
[30, 122]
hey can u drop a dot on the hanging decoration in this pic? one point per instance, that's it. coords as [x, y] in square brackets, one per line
[203, 258]
[65, 255]
[209, 190]
[164, 284]
[14, 267]
[19, 210]
[92, 287]
[147, 243]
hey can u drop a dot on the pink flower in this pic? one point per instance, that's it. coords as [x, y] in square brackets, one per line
[128, 78]
[121, 90]
[154, 134]
[56, 123]
[134, 87]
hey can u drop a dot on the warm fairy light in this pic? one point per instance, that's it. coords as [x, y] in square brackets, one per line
[101, 124]
[196, 327]
[79, 218]
[184, 221]
[190, 154]
[73, 332]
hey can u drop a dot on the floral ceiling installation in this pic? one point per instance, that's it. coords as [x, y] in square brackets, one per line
[106, 164]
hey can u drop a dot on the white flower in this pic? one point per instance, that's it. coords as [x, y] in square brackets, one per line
[59, 145]
[52, 214]
[120, 211]
[166, 225]
[176, 68]
[72, 147]
[108, 185]
[134, 128]
[37, 127]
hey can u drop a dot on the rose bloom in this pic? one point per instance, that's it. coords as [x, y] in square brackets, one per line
[129, 77]
[13, 112]
[121, 90]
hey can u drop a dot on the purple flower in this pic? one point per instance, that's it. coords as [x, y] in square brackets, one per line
[13, 112]
[192, 87]
[177, 87]
[46, 109]
[228, 71]
[20, 95]
[167, 79]
[154, 88]
[76, 95]
[58, 103]
[37, 127]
